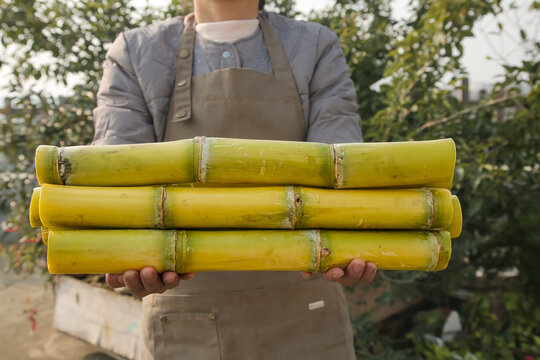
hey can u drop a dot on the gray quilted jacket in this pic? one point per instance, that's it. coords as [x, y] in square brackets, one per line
[139, 73]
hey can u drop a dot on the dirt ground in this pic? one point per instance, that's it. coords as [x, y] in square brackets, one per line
[24, 301]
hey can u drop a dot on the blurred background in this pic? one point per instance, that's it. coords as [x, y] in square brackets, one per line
[423, 69]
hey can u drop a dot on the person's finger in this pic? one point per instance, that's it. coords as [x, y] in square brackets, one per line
[115, 280]
[306, 274]
[355, 270]
[353, 273]
[151, 280]
[133, 283]
[333, 274]
[187, 276]
[170, 279]
[369, 273]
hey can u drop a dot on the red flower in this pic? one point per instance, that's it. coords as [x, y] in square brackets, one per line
[13, 229]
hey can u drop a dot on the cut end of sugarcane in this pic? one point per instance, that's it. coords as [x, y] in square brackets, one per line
[45, 235]
[445, 251]
[451, 181]
[46, 165]
[450, 150]
[457, 219]
[33, 213]
[442, 208]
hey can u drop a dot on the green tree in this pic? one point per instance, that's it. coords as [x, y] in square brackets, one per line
[367, 34]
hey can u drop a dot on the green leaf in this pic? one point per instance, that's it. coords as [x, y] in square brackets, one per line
[475, 206]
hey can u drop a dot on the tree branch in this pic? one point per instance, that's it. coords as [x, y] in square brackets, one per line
[466, 111]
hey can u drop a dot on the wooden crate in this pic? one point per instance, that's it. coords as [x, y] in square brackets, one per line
[98, 316]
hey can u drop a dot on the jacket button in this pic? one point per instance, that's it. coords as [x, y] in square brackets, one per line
[181, 83]
[181, 114]
[184, 53]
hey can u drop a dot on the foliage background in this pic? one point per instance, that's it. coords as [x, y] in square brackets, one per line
[415, 66]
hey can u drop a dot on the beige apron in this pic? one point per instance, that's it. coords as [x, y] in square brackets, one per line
[243, 315]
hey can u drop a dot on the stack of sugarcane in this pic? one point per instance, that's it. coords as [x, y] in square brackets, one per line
[208, 204]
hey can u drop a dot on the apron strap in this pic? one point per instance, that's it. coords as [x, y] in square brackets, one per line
[278, 57]
[184, 69]
[184, 65]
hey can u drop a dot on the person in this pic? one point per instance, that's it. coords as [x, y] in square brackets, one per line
[231, 69]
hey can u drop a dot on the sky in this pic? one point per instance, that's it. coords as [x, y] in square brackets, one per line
[487, 41]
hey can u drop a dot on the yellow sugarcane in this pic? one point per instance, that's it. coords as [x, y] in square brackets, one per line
[116, 165]
[286, 207]
[33, 212]
[45, 233]
[236, 161]
[103, 251]
[396, 164]
[457, 219]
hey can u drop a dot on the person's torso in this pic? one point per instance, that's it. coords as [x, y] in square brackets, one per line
[156, 48]
[239, 103]
[251, 314]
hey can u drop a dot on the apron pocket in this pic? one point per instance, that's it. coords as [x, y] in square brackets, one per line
[188, 336]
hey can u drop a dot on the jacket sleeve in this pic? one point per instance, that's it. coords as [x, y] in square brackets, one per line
[333, 116]
[121, 115]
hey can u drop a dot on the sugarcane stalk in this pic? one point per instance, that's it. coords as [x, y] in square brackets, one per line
[45, 233]
[116, 165]
[236, 161]
[389, 250]
[115, 251]
[286, 207]
[457, 219]
[396, 164]
[33, 212]
[101, 251]
[424, 208]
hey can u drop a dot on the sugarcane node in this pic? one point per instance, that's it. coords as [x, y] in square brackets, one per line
[175, 254]
[200, 174]
[337, 157]
[162, 210]
[431, 206]
[63, 167]
[325, 252]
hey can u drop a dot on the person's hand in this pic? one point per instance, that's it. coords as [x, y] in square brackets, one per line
[357, 271]
[147, 281]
